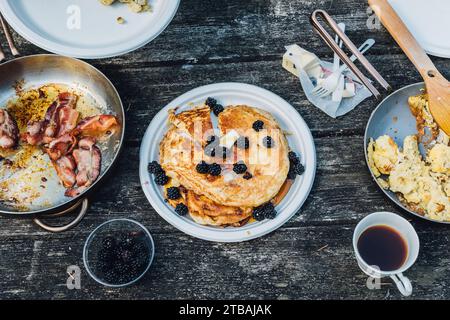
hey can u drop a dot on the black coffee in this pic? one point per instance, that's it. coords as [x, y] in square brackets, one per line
[384, 247]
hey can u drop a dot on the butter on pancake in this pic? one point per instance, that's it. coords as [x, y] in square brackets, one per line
[268, 166]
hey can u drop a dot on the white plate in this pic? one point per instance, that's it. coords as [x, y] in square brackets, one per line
[300, 141]
[429, 22]
[46, 24]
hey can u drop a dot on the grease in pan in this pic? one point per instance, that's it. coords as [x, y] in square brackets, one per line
[60, 135]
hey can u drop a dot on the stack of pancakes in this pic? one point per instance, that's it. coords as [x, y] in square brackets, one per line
[228, 199]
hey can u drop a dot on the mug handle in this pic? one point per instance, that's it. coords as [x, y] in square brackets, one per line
[403, 284]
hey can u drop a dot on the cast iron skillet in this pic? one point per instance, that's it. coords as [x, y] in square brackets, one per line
[394, 118]
[38, 70]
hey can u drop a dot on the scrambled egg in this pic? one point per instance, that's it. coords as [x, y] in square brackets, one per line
[439, 158]
[134, 5]
[423, 185]
[383, 155]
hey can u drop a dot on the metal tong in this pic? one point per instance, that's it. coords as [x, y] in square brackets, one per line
[343, 56]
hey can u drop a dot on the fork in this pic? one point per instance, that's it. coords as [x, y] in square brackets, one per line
[329, 84]
[9, 38]
[321, 89]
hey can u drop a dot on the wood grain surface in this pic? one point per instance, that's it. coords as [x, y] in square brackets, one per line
[311, 256]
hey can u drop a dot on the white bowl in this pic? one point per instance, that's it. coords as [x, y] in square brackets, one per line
[300, 140]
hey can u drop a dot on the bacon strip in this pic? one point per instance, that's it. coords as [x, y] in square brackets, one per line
[61, 146]
[60, 118]
[9, 133]
[88, 159]
[59, 111]
[68, 118]
[77, 163]
[35, 133]
[65, 168]
[97, 125]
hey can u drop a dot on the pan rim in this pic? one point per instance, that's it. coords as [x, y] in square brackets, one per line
[391, 195]
[102, 175]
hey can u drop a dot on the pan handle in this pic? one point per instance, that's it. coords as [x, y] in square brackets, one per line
[84, 206]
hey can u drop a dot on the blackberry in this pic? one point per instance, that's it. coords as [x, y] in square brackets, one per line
[293, 157]
[242, 143]
[239, 167]
[122, 271]
[126, 255]
[291, 173]
[247, 176]
[265, 211]
[173, 193]
[215, 169]
[161, 179]
[218, 108]
[202, 167]
[258, 125]
[268, 142]
[211, 102]
[181, 209]
[110, 276]
[109, 243]
[258, 214]
[126, 242]
[299, 169]
[105, 257]
[125, 262]
[271, 214]
[154, 167]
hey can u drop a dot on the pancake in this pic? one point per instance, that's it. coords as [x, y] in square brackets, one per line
[207, 212]
[195, 122]
[218, 221]
[181, 150]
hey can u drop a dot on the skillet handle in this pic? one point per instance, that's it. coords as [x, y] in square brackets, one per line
[84, 206]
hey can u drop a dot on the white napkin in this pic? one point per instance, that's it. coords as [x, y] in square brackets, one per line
[309, 76]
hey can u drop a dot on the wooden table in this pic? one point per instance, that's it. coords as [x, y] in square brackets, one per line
[311, 256]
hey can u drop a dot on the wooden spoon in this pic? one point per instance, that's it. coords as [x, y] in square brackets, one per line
[438, 88]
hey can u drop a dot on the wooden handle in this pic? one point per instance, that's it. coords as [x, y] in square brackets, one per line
[403, 37]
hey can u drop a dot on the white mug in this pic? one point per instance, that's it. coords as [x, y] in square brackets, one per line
[406, 230]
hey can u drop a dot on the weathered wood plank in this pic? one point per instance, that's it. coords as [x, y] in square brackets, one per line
[242, 41]
[288, 264]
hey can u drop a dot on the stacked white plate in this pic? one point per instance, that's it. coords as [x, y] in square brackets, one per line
[299, 138]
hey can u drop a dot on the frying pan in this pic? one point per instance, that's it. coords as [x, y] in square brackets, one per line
[38, 70]
[394, 118]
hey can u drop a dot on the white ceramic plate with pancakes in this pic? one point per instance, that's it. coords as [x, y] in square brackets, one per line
[86, 28]
[299, 138]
